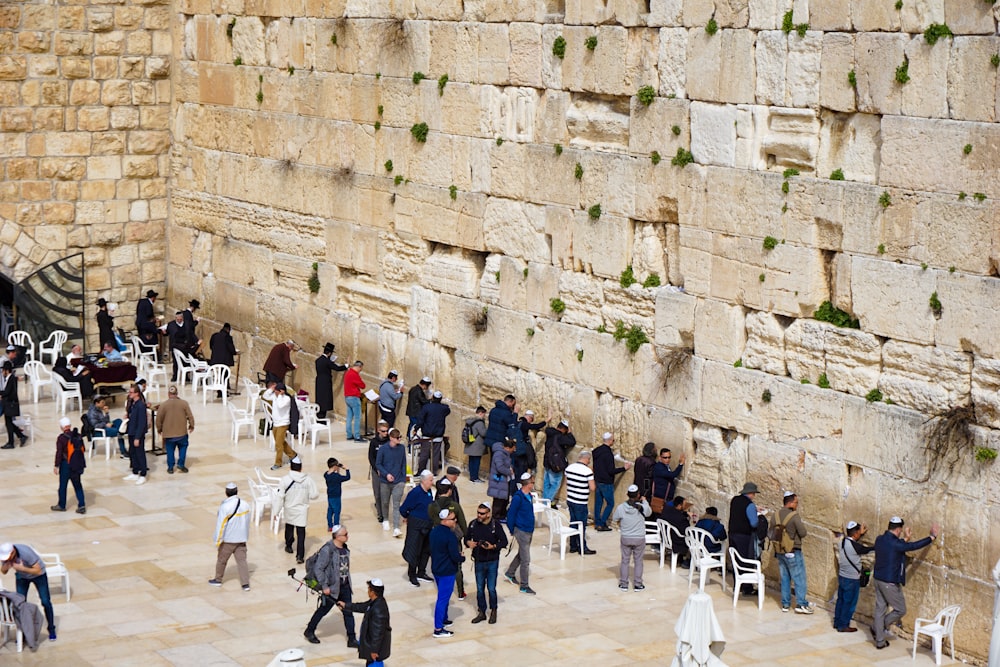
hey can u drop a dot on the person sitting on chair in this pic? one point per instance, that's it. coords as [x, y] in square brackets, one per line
[80, 375]
[111, 353]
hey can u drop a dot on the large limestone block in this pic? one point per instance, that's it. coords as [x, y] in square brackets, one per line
[732, 397]
[877, 16]
[925, 378]
[969, 314]
[969, 73]
[767, 14]
[598, 122]
[720, 330]
[946, 229]
[651, 127]
[795, 280]
[454, 50]
[850, 142]
[453, 271]
[830, 15]
[744, 204]
[913, 149]
[772, 59]
[671, 63]
[790, 400]
[634, 306]
[892, 299]
[602, 246]
[506, 340]
[431, 214]
[609, 180]
[696, 261]
[512, 283]
[641, 62]
[926, 93]
[713, 133]
[665, 12]
[556, 346]
[721, 459]
[818, 479]
[526, 54]
[969, 19]
[802, 76]
[876, 56]
[583, 295]
[541, 286]
[884, 437]
[702, 65]
[805, 349]
[717, 67]
[835, 90]
[853, 360]
[765, 349]
[423, 313]
[986, 391]
[559, 229]
[674, 319]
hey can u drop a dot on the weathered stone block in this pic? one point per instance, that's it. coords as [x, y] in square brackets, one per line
[720, 330]
[892, 299]
[926, 92]
[968, 316]
[765, 347]
[876, 57]
[602, 246]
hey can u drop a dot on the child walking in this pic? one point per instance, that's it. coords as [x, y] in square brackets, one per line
[334, 479]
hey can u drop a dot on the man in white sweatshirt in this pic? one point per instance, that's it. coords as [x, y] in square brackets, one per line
[232, 529]
[296, 490]
[631, 516]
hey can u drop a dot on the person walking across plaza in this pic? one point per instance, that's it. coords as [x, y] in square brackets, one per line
[375, 640]
[446, 559]
[631, 516]
[232, 530]
[335, 476]
[889, 574]
[69, 465]
[138, 425]
[333, 577]
[390, 463]
[487, 538]
[521, 522]
[175, 423]
[354, 386]
[11, 404]
[296, 490]
[29, 569]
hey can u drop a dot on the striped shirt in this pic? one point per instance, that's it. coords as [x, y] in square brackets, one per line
[578, 478]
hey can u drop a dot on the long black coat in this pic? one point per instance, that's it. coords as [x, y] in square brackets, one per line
[11, 403]
[324, 382]
[376, 633]
[223, 348]
[106, 329]
[143, 311]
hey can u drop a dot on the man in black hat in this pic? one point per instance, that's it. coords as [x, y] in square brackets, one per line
[105, 324]
[191, 322]
[326, 363]
[180, 337]
[11, 404]
[743, 519]
[223, 349]
[144, 309]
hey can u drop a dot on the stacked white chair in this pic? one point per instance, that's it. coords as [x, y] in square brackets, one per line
[52, 345]
[67, 391]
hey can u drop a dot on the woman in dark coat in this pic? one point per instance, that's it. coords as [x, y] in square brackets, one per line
[643, 469]
[105, 324]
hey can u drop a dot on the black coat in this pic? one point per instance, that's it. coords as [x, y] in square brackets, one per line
[11, 403]
[324, 381]
[106, 328]
[143, 311]
[376, 633]
[223, 348]
[416, 399]
[148, 333]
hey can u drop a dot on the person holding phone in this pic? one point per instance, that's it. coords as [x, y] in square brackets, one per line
[487, 538]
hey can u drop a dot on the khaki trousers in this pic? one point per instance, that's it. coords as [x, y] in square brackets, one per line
[227, 549]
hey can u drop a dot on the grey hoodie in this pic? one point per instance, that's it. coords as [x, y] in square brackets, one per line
[633, 524]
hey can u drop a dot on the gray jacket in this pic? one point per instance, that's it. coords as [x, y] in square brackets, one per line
[327, 569]
[27, 615]
[387, 395]
[633, 522]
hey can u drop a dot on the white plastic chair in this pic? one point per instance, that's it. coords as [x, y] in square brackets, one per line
[55, 569]
[937, 628]
[563, 532]
[153, 373]
[262, 500]
[267, 480]
[99, 437]
[669, 535]
[67, 391]
[268, 424]
[38, 376]
[52, 345]
[22, 339]
[540, 505]
[8, 624]
[142, 354]
[186, 366]
[746, 571]
[701, 558]
[217, 380]
[314, 425]
[253, 395]
[240, 419]
[653, 538]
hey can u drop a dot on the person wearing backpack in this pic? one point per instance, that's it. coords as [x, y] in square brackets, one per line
[474, 441]
[787, 534]
[558, 441]
[331, 568]
[69, 465]
[502, 416]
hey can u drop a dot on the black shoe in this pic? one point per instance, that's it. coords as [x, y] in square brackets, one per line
[414, 582]
[424, 577]
[381, 519]
[170, 471]
[300, 560]
[352, 642]
[182, 468]
[24, 440]
[288, 550]
[493, 616]
[589, 552]
[480, 617]
[81, 510]
[56, 508]
[603, 529]
[311, 637]
[574, 550]
[447, 622]
[9, 445]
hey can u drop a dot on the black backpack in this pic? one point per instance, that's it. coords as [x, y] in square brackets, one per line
[468, 437]
[78, 459]
[555, 457]
[310, 577]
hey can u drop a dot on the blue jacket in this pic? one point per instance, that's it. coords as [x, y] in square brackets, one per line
[416, 503]
[431, 419]
[715, 529]
[521, 513]
[501, 418]
[890, 561]
[445, 556]
[138, 422]
[391, 460]
[664, 480]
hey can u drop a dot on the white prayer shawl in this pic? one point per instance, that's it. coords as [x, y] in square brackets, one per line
[233, 521]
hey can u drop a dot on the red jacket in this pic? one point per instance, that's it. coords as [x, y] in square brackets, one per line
[353, 384]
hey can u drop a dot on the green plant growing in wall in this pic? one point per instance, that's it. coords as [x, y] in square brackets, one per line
[935, 303]
[594, 211]
[881, 248]
[333, 39]
[936, 31]
[419, 132]
[899, 5]
[979, 196]
[784, 187]
[837, 175]
[238, 61]
[229, 28]
[835, 316]
[652, 280]
[530, 332]
[388, 165]
[578, 171]
[804, 381]
[655, 157]
[874, 396]
[558, 149]
[823, 382]
[496, 274]
[784, 208]
[985, 454]
[418, 77]
[923, 266]
[524, 273]
[634, 336]
[499, 141]
[770, 243]
[712, 26]
[761, 278]
[397, 180]
[291, 70]
[962, 196]
[646, 95]
[786, 22]
[967, 149]
[885, 199]
[903, 71]
[378, 125]
[591, 42]
[995, 60]
[314, 278]
[852, 78]
[788, 173]
[380, 109]
[801, 29]
[579, 355]
[453, 192]
[602, 329]
[442, 82]
[682, 158]
[766, 396]
[378, 75]
[627, 277]
[738, 363]
[559, 47]
[557, 305]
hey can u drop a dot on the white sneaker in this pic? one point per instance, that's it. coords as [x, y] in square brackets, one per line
[129, 477]
[396, 532]
[385, 525]
[140, 481]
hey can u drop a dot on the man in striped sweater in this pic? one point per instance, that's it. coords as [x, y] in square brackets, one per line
[579, 485]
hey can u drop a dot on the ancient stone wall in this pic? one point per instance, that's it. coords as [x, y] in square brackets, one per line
[84, 141]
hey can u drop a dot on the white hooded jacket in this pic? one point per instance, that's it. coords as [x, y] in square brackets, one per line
[296, 490]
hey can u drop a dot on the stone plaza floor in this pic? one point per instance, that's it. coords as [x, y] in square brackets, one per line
[141, 557]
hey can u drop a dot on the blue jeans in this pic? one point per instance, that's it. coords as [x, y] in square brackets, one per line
[41, 583]
[353, 417]
[848, 591]
[180, 443]
[604, 502]
[793, 570]
[551, 482]
[578, 512]
[474, 462]
[332, 512]
[486, 580]
[445, 586]
[65, 477]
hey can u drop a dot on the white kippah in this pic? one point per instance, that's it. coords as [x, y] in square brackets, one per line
[633, 489]
[64, 422]
[376, 583]
[896, 519]
[607, 435]
[529, 412]
[426, 473]
[438, 394]
[335, 530]
[525, 476]
[851, 525]
[443, 514]
[563, 423]
[231, 485]
[444, 481]
[788, 493]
